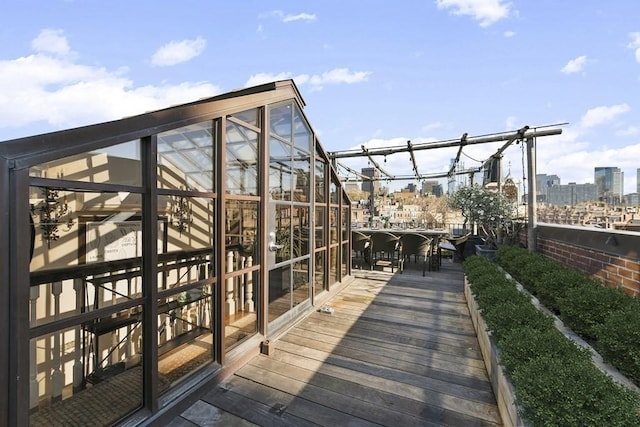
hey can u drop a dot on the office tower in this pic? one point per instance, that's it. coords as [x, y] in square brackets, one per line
[543, 183]
[610, 184]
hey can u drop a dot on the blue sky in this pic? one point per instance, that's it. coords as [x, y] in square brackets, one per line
[372, 72]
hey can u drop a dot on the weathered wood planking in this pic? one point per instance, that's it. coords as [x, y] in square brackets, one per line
[398, 350]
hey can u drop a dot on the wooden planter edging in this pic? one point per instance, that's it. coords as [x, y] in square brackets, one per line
[501, 385]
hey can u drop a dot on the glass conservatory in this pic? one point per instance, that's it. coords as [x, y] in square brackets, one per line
[143, 257]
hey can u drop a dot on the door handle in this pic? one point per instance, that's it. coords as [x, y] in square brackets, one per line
[274, 247]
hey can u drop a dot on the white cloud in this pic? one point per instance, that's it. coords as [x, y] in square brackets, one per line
[51, 41]
[176, 52]
[286, 18]
[635, 44]
[600, 115]
[575, 65]
[316, 81]
[485, 11]
[57, 92]
[509, 34]
[299, 17]
[431, 126]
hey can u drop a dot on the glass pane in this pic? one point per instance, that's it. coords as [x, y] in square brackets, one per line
[279, 291]
[300, 231]
[333, 225]
[345, 223]
[251, 117]
[242, 160]
[280, 170]
[319, 273]
[86, 251]
[241, 234]
[302, 134]
[345, 260]
[283, 232]
[186, 158]
[88, 366]
[333, 192]
[185, 334]
[300, 281]
[280, 121]
[320, 181]
[320, 226]
[241, 305]
[185, 240]
[119, 164]
[302, 171]
[333, 265]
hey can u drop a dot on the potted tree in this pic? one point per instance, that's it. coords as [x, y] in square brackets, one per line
[489, 210]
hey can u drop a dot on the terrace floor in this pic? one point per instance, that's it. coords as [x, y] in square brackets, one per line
[397, 350]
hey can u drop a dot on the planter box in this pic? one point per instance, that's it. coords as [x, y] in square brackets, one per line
[502, 387]
[486, 252]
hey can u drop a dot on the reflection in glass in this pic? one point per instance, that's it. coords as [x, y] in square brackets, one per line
[242, 160]
[319, 273]
[280, 121]
[345, 223]
[302, 133]
[301, 237]
[251, 117]
[241, 230]
[89, 258]
[280, 170]
[241, 273]
[185, 333]
[241, 305]
[88, 366]
[300, 281]
[333, 265]
[185, 240]
[279, 291]
[345, 259]
[320, 180]
[302, 170]
[333, 225]
[186, 158]
[283, 232]
[320, 226]
[119, 164]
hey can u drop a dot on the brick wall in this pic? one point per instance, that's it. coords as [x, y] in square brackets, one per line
[613, 261]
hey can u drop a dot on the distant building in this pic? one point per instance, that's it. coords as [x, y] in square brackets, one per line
[571, 194]
[432, 187]
[367, 185]
[610, 184]
[632, 199]
[543, 183]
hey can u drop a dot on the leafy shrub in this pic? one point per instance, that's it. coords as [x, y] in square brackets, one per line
[553, 285]
[586, 307]
[522, 345]
[506, 315]
[572, 392]
[619, 340]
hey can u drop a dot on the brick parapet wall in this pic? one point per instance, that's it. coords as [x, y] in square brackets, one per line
[614, 270]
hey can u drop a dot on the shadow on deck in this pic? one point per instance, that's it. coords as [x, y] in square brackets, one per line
[398, 349]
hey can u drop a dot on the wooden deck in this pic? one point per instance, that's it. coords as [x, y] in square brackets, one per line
[398, 350]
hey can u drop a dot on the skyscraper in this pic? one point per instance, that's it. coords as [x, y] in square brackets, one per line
[610, 184]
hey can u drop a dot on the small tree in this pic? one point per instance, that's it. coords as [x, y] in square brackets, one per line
[490, 210]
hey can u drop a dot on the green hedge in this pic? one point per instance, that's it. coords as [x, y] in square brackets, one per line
[605, 317]
[555, 381]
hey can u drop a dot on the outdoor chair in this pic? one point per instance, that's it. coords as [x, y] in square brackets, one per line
[387, 250]
[419, 246]
[361, 246]
[457, 245]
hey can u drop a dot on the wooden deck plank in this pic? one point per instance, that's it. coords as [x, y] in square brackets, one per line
[398, 350]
